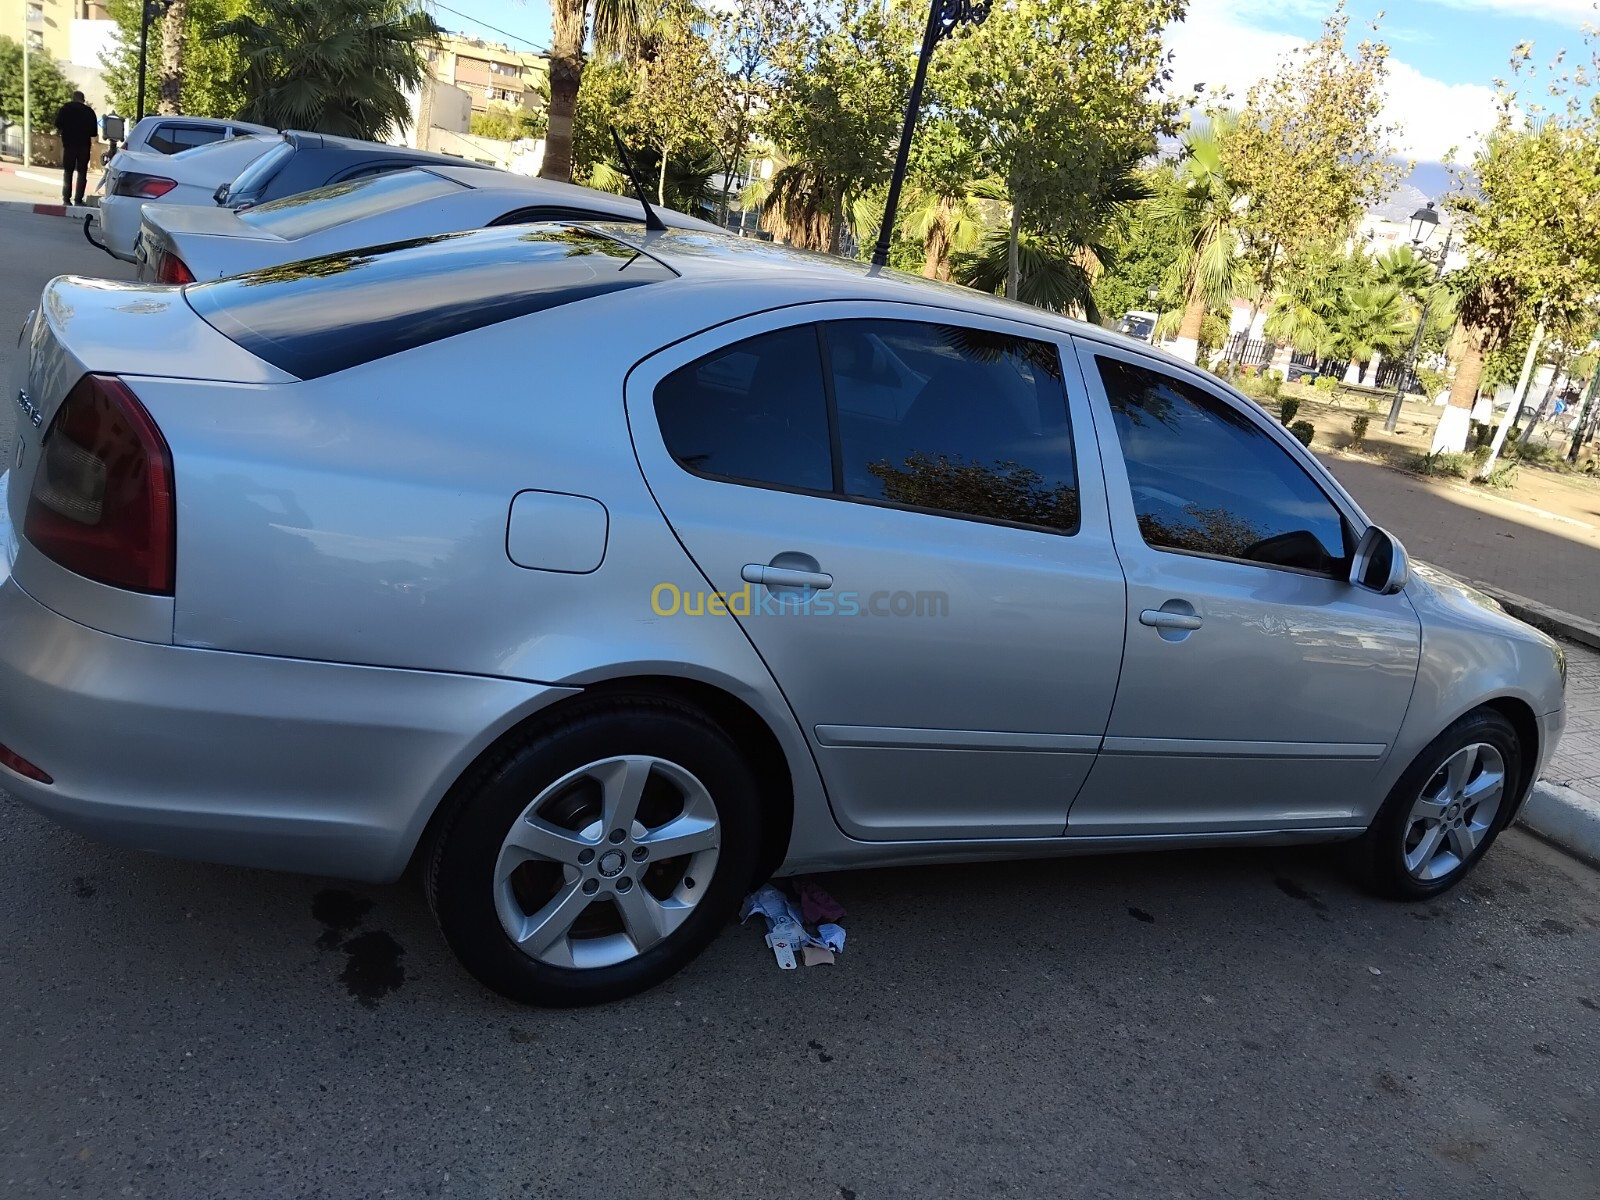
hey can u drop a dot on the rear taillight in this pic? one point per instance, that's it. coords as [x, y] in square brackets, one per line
[10, 759]
[145, 187]
[102, 501]
[172, 269]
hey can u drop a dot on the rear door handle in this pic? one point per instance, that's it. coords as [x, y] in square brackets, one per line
[785, 577]
[1158, 618]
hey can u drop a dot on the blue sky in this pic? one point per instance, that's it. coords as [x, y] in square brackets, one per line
[1446, 53]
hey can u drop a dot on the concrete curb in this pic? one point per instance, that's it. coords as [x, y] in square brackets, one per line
[1566, 818]
[1541, 616]
[50, 210]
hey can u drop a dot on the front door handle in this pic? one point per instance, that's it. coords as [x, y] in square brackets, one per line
[1158, 618]
[786, 577]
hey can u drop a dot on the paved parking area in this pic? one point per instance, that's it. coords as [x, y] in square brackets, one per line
[1232, 1025]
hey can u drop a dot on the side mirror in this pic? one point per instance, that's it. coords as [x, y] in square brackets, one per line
[221, 194]
[1379, 563]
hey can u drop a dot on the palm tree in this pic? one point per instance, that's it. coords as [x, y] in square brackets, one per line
[1056, 269]
[616, 26]
[1403, 268]
[1203, 210]
[945, 215]
[1369, 319]
[331, 66]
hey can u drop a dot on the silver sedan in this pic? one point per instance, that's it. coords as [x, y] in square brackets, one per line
[604, 573]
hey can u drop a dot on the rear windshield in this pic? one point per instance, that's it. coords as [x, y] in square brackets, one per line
[327, 314]
[322, 208]
[221, 143]
[255, 177]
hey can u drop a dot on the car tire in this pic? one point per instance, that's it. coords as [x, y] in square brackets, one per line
[554, 872]
[1445, 812]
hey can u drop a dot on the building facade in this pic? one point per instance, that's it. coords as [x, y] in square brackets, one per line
[491, 73]
[48, 23]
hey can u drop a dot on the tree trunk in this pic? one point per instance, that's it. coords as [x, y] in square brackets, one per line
[1469, 374]
[936, 251]
[1187, 343]
[1013, 255]
[1255, 309]
[171, 93]
[836, 222]
[568, 22]
[661, 183]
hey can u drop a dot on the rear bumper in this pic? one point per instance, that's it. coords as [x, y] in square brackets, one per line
[245, 759]
[120, 218]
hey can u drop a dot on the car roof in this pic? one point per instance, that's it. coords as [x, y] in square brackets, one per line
[328, 141]
[694, 255]
[531, 189]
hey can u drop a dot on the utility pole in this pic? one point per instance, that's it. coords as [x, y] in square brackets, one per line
[1393, 419]
[943, 17]
[27, 91]
[148, 12]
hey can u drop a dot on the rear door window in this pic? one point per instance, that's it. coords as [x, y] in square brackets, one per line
[753, 412]
[171, 138]
[323, 208]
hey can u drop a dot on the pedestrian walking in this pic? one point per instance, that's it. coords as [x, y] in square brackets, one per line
[77, 124]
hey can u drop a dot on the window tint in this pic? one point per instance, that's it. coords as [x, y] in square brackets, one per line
[323, 208]
[322, 315]
[170, 139]
[754, 411]
[1207, 479]
[961, 420]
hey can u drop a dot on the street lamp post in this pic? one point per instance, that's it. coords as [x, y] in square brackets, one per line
[1154, 295]
[152, 9]
[1423, 223]
[943, 17]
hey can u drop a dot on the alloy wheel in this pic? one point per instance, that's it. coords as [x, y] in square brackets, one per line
[1454, 812]
[606, 862]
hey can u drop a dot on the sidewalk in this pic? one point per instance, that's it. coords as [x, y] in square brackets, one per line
[1515, 550]
[38, 189]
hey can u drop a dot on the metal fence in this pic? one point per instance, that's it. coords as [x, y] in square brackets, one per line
[1255, 352]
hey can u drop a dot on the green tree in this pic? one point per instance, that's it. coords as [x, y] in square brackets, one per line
[1369, 319]
[1143, 255]
[508, 123]
[1530, 220]
[212, 72]
[750, 38]
[1203, 214]
[1057, 96]
[679, 101]
[1056, 269]
[332, 66]
[1310, 149]
[616, 24]
[836, 116]
[48, 87]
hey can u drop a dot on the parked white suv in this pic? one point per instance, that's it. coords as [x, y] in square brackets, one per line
[175, 134]
[141, 176]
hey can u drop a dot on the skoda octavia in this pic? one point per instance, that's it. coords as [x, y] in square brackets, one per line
[601, 573]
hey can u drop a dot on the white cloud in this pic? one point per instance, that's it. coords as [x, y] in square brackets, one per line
[1218, 46]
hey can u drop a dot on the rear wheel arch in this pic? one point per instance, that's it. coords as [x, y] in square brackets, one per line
[748, 730]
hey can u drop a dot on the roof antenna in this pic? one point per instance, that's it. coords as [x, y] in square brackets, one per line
[652, 223]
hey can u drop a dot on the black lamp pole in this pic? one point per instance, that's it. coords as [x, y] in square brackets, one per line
[152, 9]
[943, 17]
[1423, 222]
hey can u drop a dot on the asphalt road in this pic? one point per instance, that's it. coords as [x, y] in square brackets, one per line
[1232, 1025]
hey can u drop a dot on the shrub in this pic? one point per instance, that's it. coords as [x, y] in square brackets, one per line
[1272, 383]
[1456, 466]
[1304, 430]
[1537, 452]
[1358, 429]
[1287, 409]
[1325, 384]
[1480, 455]
[1503, 476]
